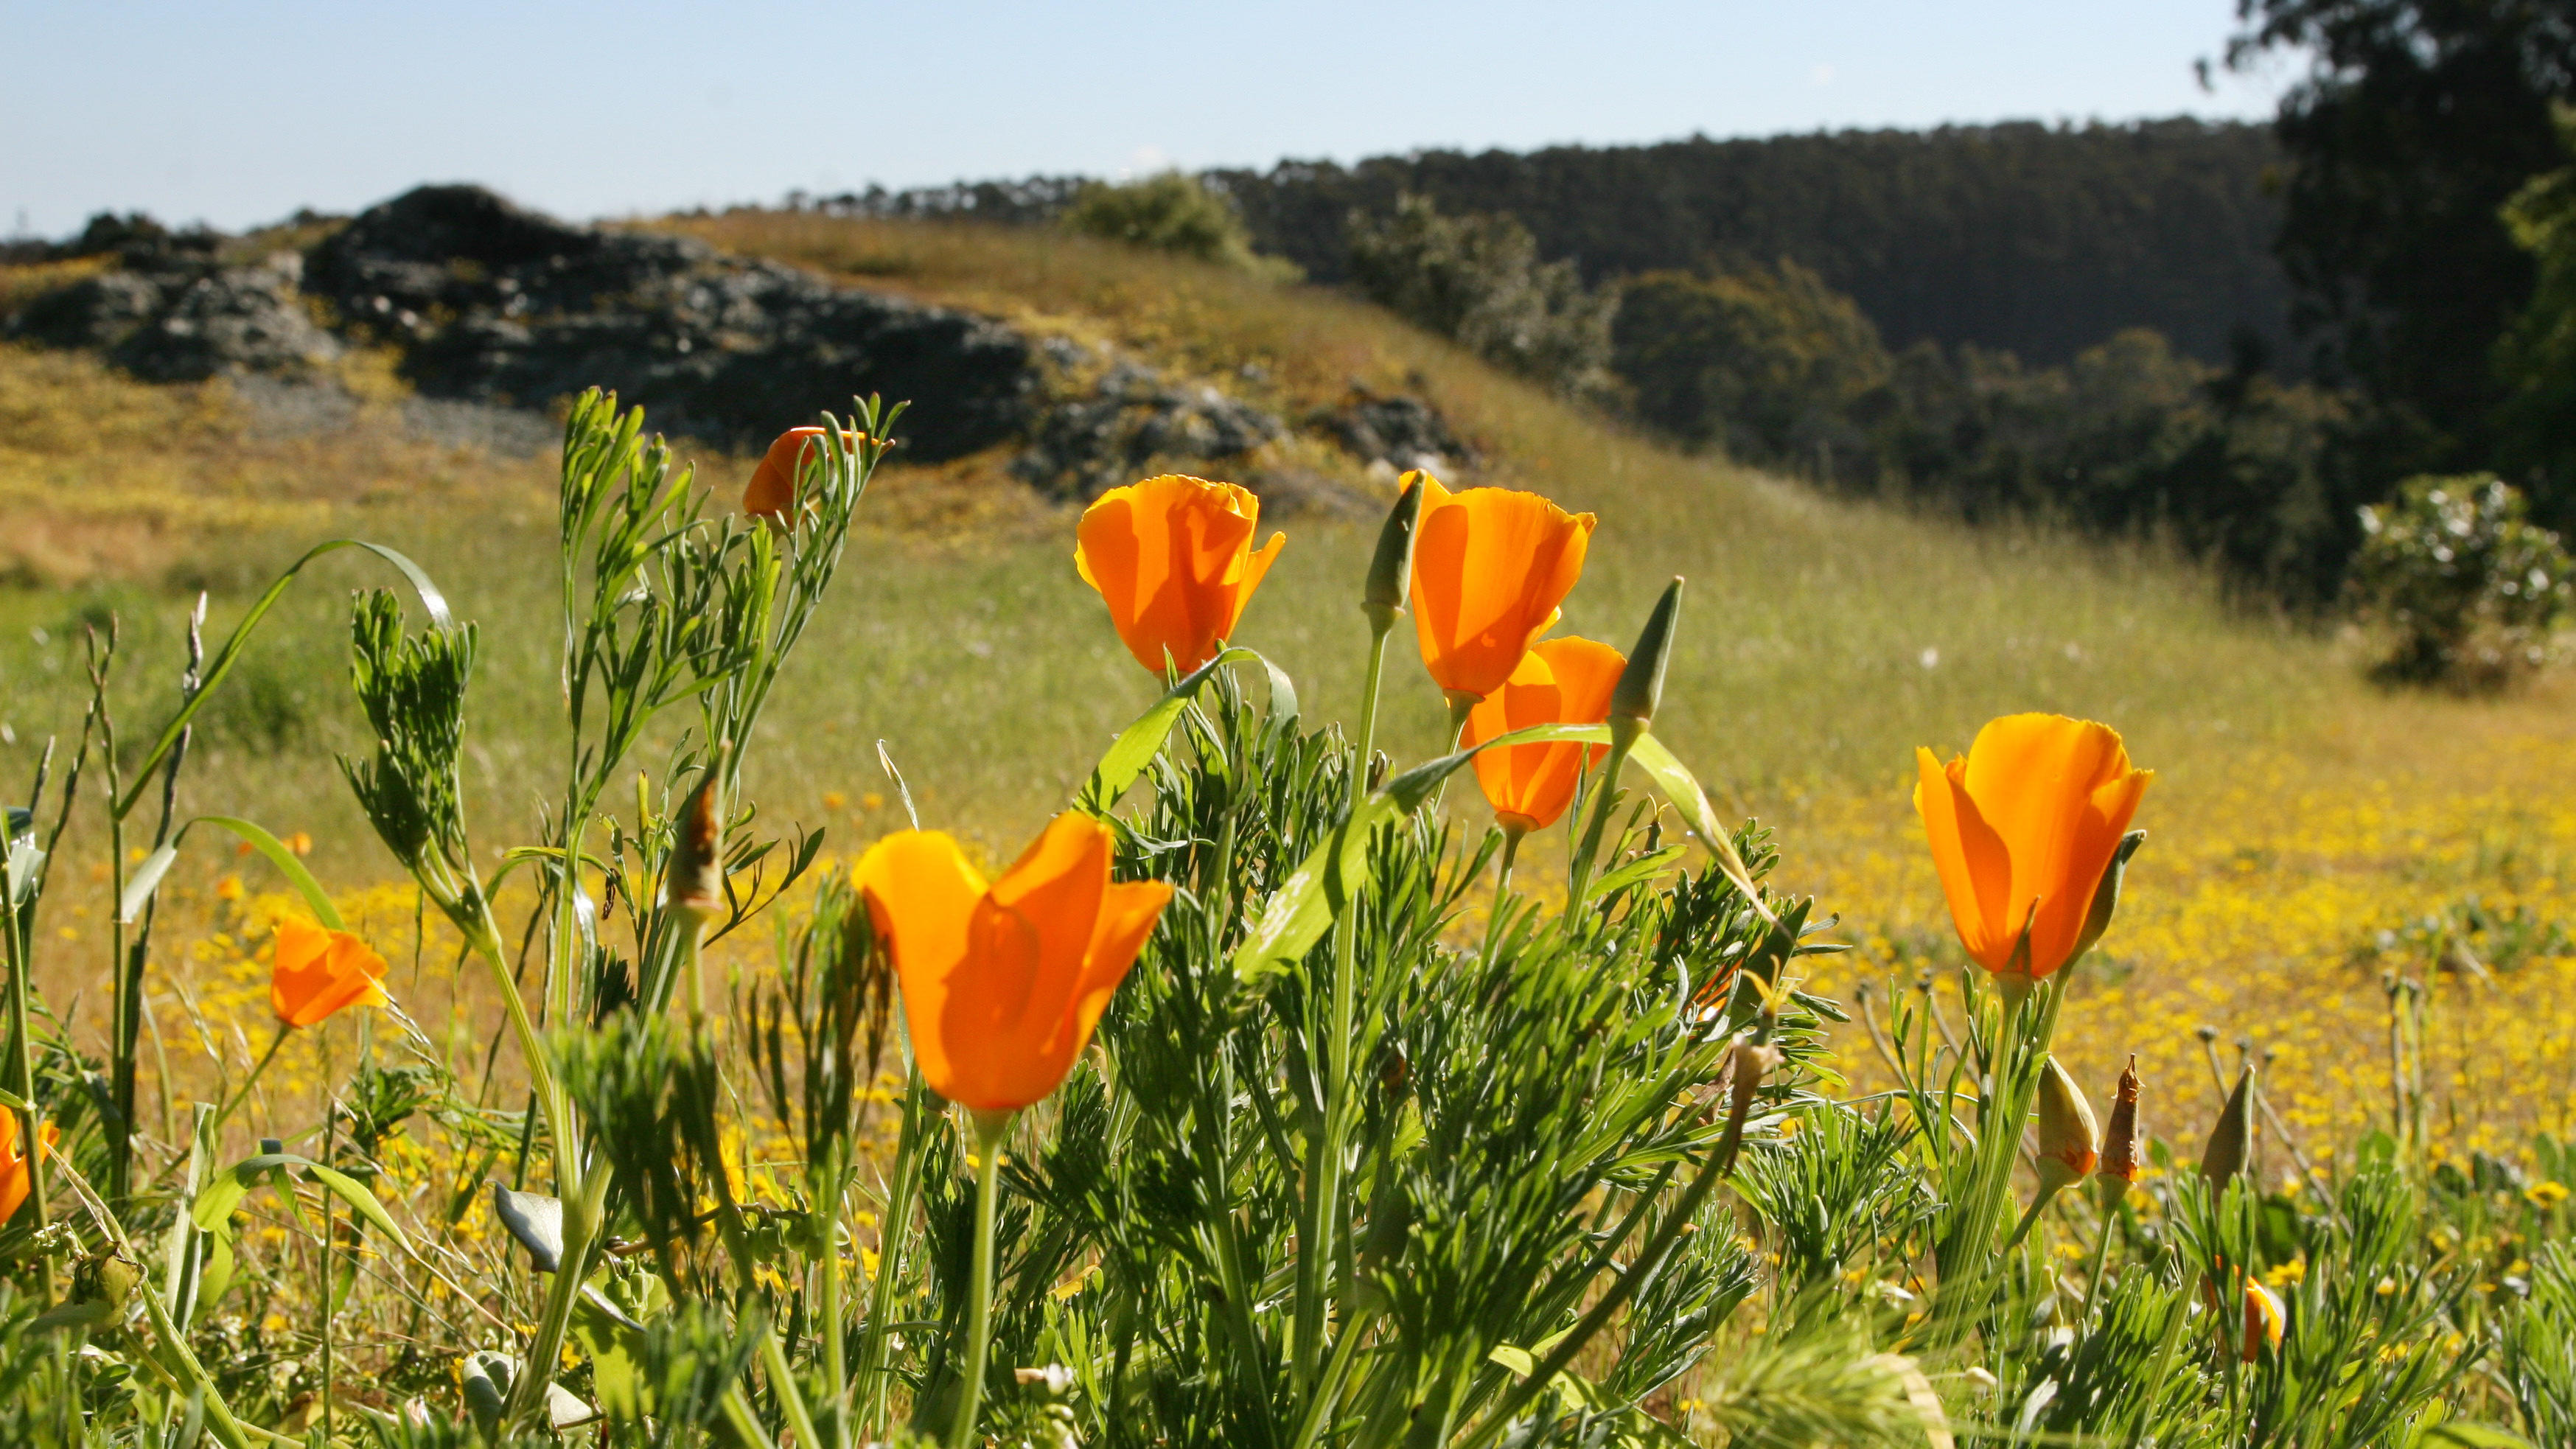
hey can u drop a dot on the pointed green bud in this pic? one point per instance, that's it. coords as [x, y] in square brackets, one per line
[2232, 1139]
[1390, 575]
[2106, 895]
[1641, 684]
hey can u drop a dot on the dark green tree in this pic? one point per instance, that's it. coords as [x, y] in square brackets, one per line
[1478, 281]
[2415, 122]
[1763, 361]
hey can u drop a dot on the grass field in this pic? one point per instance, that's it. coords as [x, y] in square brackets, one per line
[2304, 826]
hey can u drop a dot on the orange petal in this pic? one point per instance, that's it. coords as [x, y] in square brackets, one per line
[922, 894]
[1975, 870]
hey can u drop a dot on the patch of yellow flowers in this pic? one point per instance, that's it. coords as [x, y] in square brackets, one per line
[2295, 910]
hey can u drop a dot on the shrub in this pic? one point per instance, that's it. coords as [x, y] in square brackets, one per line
[1169, 212]
[2470, 587]
[1477, 281]
[1765, 362]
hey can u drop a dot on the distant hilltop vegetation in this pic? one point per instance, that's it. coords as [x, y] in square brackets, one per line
[2034, 239]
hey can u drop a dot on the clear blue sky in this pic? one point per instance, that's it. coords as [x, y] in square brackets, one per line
[241, 112]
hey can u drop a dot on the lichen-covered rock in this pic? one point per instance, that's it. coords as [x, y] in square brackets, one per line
[495, 303]
[1094, 439]
[1401, 432]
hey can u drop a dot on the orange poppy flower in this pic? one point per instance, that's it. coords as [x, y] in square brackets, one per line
[1490, 567]
[1560, 681]
[1002, 984]
[2022, 829]
[16, 1174]
[313, 972]
[1173, 559]
[773, 484]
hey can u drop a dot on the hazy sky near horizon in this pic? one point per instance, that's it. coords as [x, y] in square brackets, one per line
[240, 113]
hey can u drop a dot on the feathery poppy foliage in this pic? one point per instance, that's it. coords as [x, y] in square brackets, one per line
[2023, 829]
[1173, 559]
[315, 972]
[1560, 681]
[1490, 567]
[1002, 983]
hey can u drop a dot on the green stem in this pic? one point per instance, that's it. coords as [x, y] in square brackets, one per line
[989, 1128]
[892, 1230]
[1316, 1225]
[2101, 1249]
[330, 1124]
[1623, 737]
[835, 1350]
[241, 1094]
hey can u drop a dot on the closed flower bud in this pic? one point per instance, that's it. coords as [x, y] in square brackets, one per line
[2066, 1131]
[1641, 684]
[2232, 1139]
[2119, 1166]
[1746, 1067]
[1390, 575]
[771, 494]
[696, 873]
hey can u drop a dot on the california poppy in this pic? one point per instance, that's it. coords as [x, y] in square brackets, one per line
[1490, 567]
[772, 489]
[1560, 681]
[2023, 829]
[1002, 984]
[1173, 559]
[314, 971]
[16, 1173]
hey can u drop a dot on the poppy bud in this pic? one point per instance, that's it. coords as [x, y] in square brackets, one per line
[2264, 1320]
[1745, 1068]
[1641, 684]
[2106, 895]
[2233, 1137]
[2119, 1166]
[2066, 1131]
[1390, 575]
[695, 882]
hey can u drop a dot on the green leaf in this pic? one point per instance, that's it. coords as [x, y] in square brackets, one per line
[360, 1201]
[1304, 906]
[239, 641]
[1137, 745]
[214, 1207]
[1682, 788]
[145, 880]
[286, 863]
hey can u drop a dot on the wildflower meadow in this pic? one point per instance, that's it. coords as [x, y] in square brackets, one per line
[1284, 1086]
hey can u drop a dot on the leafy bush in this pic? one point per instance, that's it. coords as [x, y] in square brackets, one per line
[1169, 212]
[1477, 281]
[1766, 363]
[2468, 585]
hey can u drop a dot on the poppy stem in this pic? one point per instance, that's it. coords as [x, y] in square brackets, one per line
[1322, 1213]
[893, 1226]
[989, 1127]
[224, 1113]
